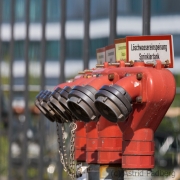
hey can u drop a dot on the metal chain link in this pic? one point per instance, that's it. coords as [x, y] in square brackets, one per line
[60, 148]
[71, 167]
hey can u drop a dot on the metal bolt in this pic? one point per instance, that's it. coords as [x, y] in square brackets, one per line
[111, 77]
[139, 76]
[139, 99]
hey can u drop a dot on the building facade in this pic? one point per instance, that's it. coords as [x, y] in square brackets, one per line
[165, 20]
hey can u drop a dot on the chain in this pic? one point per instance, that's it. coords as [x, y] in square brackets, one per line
[70, 169]
[60, 148]
[72, 165]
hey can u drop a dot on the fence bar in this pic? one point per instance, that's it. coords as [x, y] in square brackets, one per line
[42, 119]
[26, 93]
[146, 17]
[1, 8]
[62, 64]
[86, 33]
[11, 90]
[63, 40]
[112, 17]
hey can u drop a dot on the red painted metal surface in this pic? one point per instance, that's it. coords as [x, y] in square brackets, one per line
[80, 142]
[159, 87]
[131, 141]
[91, 142]
[109, 142]
[155, 90]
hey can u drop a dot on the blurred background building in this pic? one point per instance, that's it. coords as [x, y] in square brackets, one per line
[44, 43]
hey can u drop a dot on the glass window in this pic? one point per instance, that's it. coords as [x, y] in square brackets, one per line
[136, 7]
[34, 51]
[6, 11]
[53, 48]
[35, 10]
[74, 49]
[75, 9]
[176, 41]
[95, 44]
[53, 10]
[99, 9]
[19, 10]
[5, 51]
[123, 6]
[19, 50]
[162, 7]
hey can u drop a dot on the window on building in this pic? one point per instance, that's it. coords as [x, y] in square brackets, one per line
[6, 11]
[123, 6]
[19, 10]
[35, 10]
[95, 44]
[34, 50]
[99, 9]
[19, 50]
[176, 41]
[53, 10]
[5, 51]
[52, 51]
[165, 7]
[75, 9]
[74, 49]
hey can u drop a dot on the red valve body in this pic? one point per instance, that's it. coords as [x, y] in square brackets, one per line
[152, 90]
[158, 91]
[109, 142]
[80, 142]
[91, 142]
[151, 94]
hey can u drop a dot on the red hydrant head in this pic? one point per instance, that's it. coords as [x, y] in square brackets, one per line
[81, 98]
[138, 85]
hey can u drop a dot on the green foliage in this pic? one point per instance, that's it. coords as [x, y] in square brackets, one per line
[3, 152]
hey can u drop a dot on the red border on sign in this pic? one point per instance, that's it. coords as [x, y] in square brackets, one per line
[146, 38]
[110, 47]
[103, 49]
[120, 40]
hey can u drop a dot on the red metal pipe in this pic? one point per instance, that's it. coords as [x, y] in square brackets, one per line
[109, 142]
[80, 142]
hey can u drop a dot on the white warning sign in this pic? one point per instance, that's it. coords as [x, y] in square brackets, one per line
[110, 54]
[151, 49]
[101, 55]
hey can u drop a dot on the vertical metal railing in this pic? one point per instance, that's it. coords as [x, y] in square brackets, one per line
[26, 92]
[1, 8]
[112, 17]
[146, 17]
[86, 47]
[11, 87]
[62, 40]
[86, 40]
[42, 80]
[62, 51]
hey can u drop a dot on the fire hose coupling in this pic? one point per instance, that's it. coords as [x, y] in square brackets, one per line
[114, 103]
[81, 103]
[45, 103]
[38, 103]
[63, 101]
[38, 100]
[55, 102]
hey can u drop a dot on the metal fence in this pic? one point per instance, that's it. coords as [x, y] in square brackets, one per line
[18, 139]
[28, 145]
